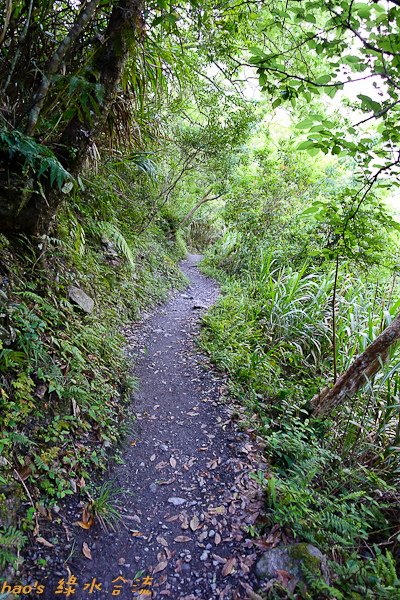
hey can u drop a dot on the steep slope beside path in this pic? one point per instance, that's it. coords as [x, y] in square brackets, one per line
[188, 499]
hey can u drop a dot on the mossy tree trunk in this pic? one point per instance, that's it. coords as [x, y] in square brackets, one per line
[28, 202]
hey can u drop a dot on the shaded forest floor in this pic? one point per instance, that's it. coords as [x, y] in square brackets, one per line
[187, 502]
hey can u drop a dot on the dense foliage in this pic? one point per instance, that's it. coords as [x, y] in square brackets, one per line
[131, 131]
[334, 481]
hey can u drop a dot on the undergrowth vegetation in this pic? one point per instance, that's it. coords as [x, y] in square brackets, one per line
[333, 480]
[65, 380]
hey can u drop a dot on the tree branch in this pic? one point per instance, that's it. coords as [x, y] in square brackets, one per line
[362, 368]
[378, 114]
[83, 18]
[7, 17]
[204, 199]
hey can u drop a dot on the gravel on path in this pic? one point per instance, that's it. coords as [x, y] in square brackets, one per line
[188, 503]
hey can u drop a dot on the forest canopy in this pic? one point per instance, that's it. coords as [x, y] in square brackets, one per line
[265, 135]
[79, 77]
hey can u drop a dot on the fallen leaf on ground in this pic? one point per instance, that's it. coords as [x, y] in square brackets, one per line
[194, 523]
[161, 465]
[284, 578]
[172, 462]
[182, 538]
[160, 567]
[217, 539]
[173, 518]
[228, 567]
[250, 592]
[203, 536]
[217, 510]
[85, 525]
[189, 463]
[166, 481]
[42, 510]
[86, 551]
[219, 558]
[213, 463]
[185, 521]
[161, 540]
[25, 472]
[168, 553]
[87, 519]
[44, 542]
[161, 556]
[136, 533]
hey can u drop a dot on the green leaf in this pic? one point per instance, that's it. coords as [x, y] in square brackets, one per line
[305, 145]
[323, 79]
[369, 103]
[313, 151]
[306, 124]
[363, 10]
[351, 59]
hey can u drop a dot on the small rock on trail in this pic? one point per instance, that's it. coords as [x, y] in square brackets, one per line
[188, 500]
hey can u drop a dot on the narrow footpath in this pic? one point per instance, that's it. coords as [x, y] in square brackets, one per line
[188, 504]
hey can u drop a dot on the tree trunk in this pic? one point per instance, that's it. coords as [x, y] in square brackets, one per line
[362, 368]
[29, 207]
[203, 200]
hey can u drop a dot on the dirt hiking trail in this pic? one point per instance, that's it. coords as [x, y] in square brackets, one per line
[188, 500]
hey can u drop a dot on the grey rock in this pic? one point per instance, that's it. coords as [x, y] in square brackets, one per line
[79, 297]
[153, 487]
[291, 559]
[109, 248]
[176, 501]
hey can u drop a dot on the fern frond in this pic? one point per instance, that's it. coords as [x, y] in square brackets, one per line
[38, 157]
[110, 231]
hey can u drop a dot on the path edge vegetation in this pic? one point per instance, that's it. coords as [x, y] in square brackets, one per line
[315, 489]
[66, 383]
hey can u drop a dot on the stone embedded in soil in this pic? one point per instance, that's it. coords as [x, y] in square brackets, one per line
[79, 297]
[176, 501]
[291, 559]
